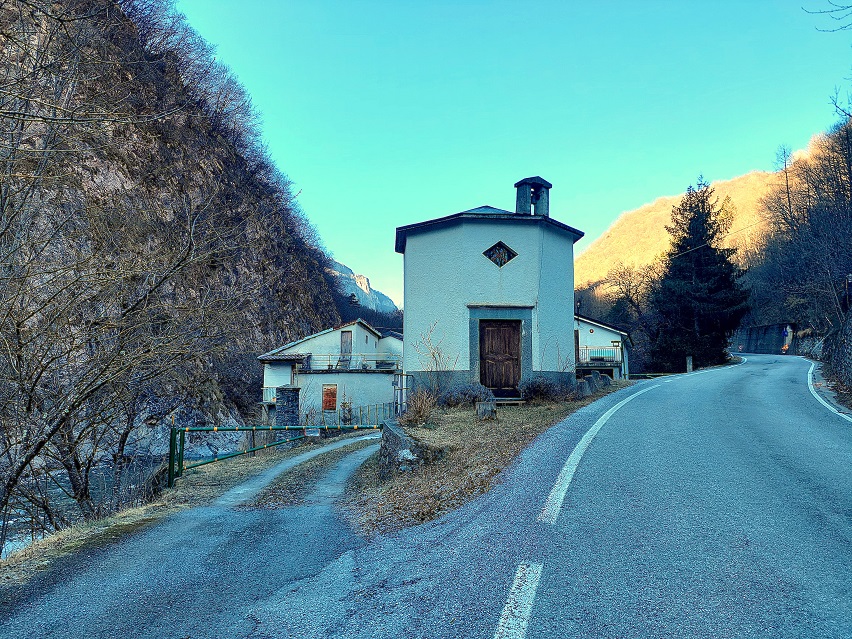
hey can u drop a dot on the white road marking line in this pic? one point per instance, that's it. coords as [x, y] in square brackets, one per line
[516, 614]
[820, 399]
[557, 495]
[706, 370]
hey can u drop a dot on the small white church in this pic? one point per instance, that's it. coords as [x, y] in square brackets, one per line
[489, 295]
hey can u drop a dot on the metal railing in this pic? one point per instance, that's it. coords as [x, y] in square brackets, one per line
[177, 443]
[599, 355]
[347, 362]
[357, 416]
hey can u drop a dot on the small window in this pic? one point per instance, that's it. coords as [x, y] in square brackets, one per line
[366, 339]
[500, 254]
[329, 396]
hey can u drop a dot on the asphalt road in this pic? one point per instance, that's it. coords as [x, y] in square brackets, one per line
[716, 504]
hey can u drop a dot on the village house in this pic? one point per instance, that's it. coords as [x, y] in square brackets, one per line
[352, 365]
[489, 295]
[600, 347]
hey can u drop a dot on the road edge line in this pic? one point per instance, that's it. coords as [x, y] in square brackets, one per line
[820, 399]
[553, 503]
[516, 613]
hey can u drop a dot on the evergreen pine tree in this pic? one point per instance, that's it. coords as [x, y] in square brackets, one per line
[698, 302]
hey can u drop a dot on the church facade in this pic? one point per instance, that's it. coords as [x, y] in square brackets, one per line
[489, 295]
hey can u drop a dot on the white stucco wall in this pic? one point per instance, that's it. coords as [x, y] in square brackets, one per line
[391, 346]
[594, 335]
[277, 374]
[554, 319]
[445, 271]
[360, 388]
[364, 342]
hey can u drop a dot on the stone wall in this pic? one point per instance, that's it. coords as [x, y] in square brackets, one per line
[837, 354]
[287, 406]
[402, 453]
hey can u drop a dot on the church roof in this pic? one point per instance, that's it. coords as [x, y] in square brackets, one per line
[484, 212]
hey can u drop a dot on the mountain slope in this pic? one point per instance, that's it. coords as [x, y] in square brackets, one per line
[351, 282]
[638, 236]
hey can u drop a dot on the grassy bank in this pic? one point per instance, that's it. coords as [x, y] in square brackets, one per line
[475, 453]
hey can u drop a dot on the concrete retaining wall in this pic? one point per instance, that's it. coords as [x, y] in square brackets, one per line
[768, 340]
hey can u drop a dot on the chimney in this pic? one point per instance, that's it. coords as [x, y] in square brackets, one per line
[533, 197]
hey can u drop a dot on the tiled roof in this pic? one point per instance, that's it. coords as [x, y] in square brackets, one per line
[283, 357]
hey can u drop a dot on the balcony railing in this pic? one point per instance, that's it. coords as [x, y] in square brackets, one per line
[355, 362]
[600, 355]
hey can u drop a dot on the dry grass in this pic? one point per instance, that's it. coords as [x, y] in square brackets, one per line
[198, 487]
[842, 394]
[419, 408]
[475, 453]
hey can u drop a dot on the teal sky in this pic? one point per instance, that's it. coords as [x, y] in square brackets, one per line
[385, 113]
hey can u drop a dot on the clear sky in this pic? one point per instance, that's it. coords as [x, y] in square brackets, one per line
[385, 113]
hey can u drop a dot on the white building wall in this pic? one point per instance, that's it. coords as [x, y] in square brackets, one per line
[554, 316]
[391, 346]
[364, 342]
[277, 374]
[360, 388]
[594, 335]
[445, 271]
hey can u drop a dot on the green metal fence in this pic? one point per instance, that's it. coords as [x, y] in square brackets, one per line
[177, 441]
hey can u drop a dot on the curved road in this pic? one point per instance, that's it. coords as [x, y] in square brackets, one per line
[715, 504]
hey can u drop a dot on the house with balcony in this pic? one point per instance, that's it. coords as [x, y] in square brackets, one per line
[599, 347]
[352, 365]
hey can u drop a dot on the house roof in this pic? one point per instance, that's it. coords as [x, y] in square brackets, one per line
[589, 320]
[392, 332]
[279, 355]
[484, 212]
[283, 357]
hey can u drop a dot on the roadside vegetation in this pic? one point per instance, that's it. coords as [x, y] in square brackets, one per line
[474, 453]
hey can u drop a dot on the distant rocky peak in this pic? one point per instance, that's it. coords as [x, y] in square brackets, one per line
[358, 284]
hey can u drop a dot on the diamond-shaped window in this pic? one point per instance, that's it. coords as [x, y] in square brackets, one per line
[500, 254]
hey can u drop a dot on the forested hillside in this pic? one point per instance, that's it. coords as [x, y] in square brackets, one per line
[148, 247]
[638, 237]
[789, 233]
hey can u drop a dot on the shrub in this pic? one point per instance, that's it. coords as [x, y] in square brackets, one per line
[465, 394]
[541, 388]
[418, 408]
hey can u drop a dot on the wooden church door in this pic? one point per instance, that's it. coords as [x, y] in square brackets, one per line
[500, 356]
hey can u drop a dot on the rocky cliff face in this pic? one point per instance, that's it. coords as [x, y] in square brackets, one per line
[368, 297]
[174, 250]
